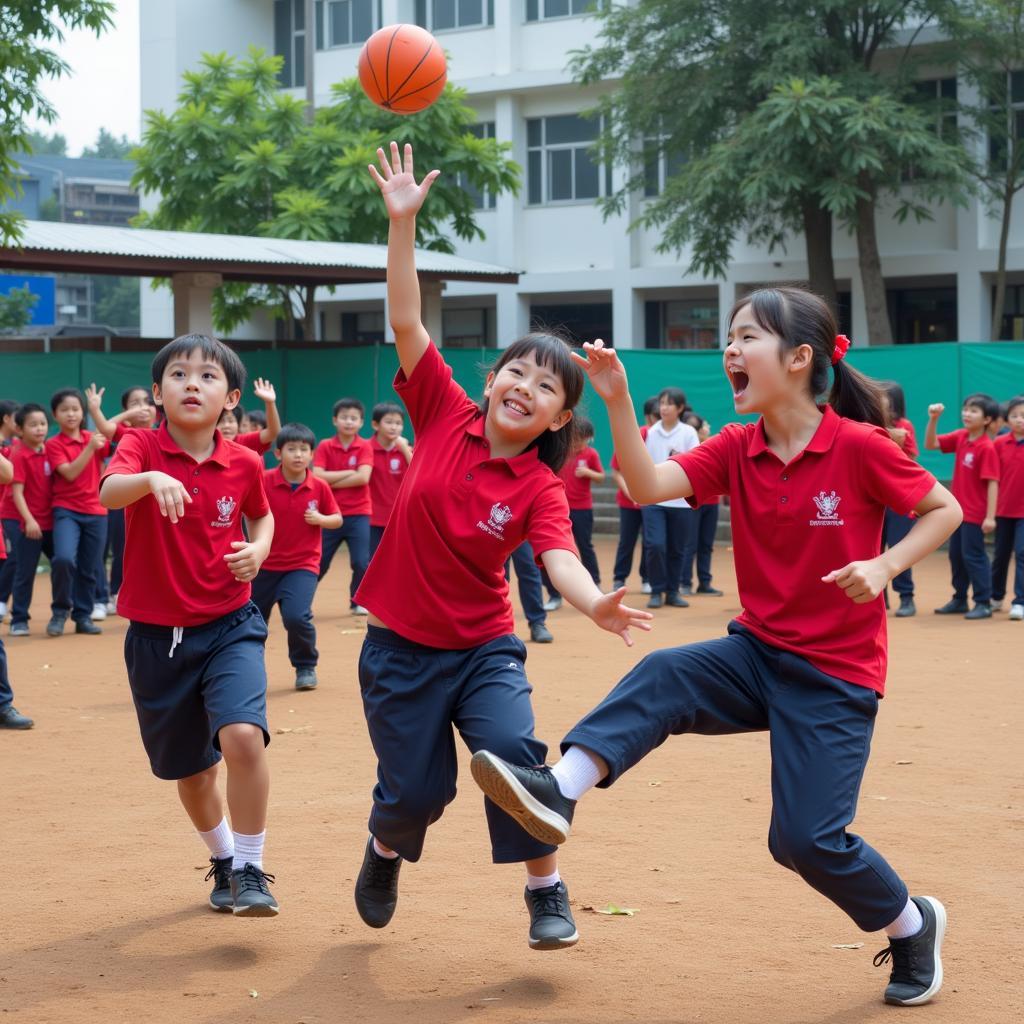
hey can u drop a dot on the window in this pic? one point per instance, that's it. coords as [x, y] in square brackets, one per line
[345, 22]
[438, 15]
[560, 167]
[537, 10]
[659, 164]
[940, 95]
[481, 200]
[681, 323]
[1000, 143]
[1012, 324]
[581, 321]
[467, 328]
[290, 42]
[922, 314]
[362, 328]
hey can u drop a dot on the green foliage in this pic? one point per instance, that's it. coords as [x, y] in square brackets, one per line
[116, 301]
[47, 145]
[109, 147]
[26, 27]
[16, 309]
[49, 208]
[238, 156]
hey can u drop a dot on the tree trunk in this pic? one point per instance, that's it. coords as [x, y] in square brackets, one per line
[821, 268]
[1004, 234]
[879, 327]
[288, 310]
[309, 313]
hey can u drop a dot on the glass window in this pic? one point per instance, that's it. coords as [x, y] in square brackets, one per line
[482, 200]
[581, 321]
[465, 328]
[922, 314]
[560, 166]
[536, 10]
[345, 22]
[438, 15]
[939, 94]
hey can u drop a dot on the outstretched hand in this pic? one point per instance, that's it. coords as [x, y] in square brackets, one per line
[605, 370]
[402, 196]
[264, 390]
[611, 614]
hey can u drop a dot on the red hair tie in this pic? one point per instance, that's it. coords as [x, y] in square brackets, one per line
[842, 347]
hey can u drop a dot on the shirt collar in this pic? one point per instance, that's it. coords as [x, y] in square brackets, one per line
[520, 464]
[221, 453]
[820, 442]
[278, 479]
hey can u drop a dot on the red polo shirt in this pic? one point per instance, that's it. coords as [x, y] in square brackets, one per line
[620, 499]
[438, 577]
[333, 456]
[795, 523]
[1010, 452]
[297, 545]
[389, 467]
[577, 488]
[976, 464]
[7, 506]
[175, 573]
[83, 493]
[910, 441]
[252, 441]
[32, 471]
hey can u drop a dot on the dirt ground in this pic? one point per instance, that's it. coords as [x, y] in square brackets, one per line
[105, 917]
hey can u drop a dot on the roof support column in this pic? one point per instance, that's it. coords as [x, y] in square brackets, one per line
[193, 302]
[430, 309]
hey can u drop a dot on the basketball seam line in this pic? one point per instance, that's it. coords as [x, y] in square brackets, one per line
[369, 64]
[404, 96]
[387, 65]
[426, 54]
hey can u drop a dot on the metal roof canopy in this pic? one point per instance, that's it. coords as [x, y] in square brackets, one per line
[145, 252]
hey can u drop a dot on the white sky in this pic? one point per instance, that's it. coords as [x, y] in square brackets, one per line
[102, 88]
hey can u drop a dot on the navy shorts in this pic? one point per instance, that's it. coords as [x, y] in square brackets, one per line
[186, 692]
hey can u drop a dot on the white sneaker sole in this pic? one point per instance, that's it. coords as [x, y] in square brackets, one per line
[940, 931]
[256, 910]
[547, 945]
[508, 793]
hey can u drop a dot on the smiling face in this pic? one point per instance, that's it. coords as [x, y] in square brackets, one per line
[524, 400]
[69, 414]
[760, 373]
[34, 429]
[228, 425]
[194, 392]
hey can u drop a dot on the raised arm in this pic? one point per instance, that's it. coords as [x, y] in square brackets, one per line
[94, 400]
[264, 391]
[931, 434]
[648, 483]
[403, 198]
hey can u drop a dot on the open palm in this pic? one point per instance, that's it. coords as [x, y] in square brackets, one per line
[397, 182]
[606, 373]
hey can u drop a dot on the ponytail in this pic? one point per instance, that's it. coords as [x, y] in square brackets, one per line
[857, 396]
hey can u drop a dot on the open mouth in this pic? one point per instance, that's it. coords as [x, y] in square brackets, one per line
[739, 381]
[515, 407]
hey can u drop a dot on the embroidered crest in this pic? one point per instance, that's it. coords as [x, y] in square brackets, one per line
[313, 506]
[828, 509]
[394, 464]
[969, 459]
[496, 522]
[225, 510]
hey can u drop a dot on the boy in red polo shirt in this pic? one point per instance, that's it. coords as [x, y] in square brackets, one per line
[194, 649]
[260, 440]
[346, 462]
[303, 506]
[391, 457]
[1010, 510]
[976, 487]
[8, 514]
[32, 493]
[10, 717]
[806, 658]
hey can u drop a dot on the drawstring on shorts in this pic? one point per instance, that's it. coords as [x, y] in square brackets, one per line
[177, 634]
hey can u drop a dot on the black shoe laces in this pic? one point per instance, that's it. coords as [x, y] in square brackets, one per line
[549, 902]
[253, 879]
[220, 872]
[904, 961]
[382, 871]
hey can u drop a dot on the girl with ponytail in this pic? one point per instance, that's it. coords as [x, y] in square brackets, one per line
[805, 660]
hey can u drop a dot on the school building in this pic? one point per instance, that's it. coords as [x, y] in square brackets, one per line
[577, 269]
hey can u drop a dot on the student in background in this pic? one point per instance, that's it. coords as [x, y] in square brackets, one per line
[897, 526]
[1010, 511]
[10, 717]
[391, 457]
[702, 537]
[259, 439]
[8, 514]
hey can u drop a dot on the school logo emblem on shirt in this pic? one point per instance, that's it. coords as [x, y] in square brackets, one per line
[969, 459]
[394, 464]
[225, 510]
[313, 506]
[351, 460]
[47, 471]
[828, 509]
[495, 525]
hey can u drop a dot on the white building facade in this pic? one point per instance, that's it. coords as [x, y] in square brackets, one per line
[578, 269]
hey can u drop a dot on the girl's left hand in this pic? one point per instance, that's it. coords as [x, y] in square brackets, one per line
[264, 390]
[861, 581]
[607, 374]
[610, 613]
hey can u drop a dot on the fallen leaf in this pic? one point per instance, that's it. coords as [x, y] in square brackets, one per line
[879, 798]
[253, 994]
[904, 762]
[613, 911]
[281, 732]
[673, 901]
[654, 782]
[847, 945]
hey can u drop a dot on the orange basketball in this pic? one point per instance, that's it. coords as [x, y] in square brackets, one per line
[402, 69]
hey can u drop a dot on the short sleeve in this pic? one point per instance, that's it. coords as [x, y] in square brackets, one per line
[56, 453]
[252, 442]
[707, 465]
[132, 455]
[255, 505]
[910, 444]
[320, 456]
[948, 442]
[19, 467]
[549, 527]
[890, 476]
[365, 455]
[119, 432]
[594, 460]
[989, 463]
[431, 393]
[328, 506]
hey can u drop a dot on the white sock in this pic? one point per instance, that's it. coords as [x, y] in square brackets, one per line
[910, 922]
[381, 852]
[577, 772]
[542, 881]
[219, 840]
[248, 850]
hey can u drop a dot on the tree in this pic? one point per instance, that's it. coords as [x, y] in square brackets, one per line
[777, 119]
[47, 145]
[238, 156]
[989, 41]
[25, 28]
[16, 309]
[116, 301]
[110, 147]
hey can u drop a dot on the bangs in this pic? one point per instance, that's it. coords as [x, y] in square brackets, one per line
[211, 349]
[554, 354]
[768, 308]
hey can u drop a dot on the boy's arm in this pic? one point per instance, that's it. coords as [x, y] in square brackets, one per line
[403, 198]
[264, 390]
[326, 522]
[6, 470]
[121, 489]
[344, 477]
[94, 400]
[931, 434]
[32, 530]
[247, 557]
[73, 470]
[405, 448]
[990, 510]
[620, 482]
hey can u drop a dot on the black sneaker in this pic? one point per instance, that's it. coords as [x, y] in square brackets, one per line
[655, 601]
[907, 607]
[980, 611]
[377, 887]
[709, 591]
[220, 894]
[88, 627]
[916, 964]
[551, 922]
[953, 607]
[530, 795]
[55, 627]
[676, 601]
[305, 679]
[686, 591]
[618, 584]
[250, 895]
[540, 634]
[12, 718]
